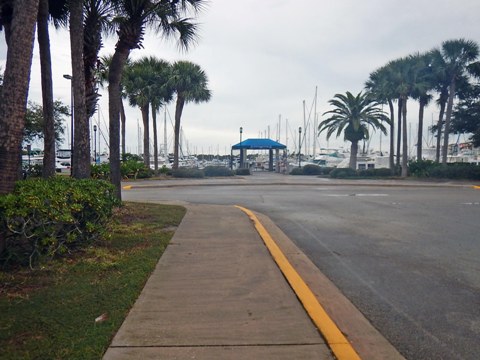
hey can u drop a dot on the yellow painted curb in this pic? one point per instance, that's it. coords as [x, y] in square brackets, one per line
[127, 187]
[477, 187]
[337, 342]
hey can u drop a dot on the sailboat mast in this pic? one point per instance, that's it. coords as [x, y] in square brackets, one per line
[165, 149]
[315, 125]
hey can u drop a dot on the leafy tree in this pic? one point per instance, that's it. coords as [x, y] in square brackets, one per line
[353, 115]
[190, 83]
[34, 122]
[466, 114]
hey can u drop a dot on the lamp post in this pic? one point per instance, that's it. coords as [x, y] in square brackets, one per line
[95, 143]
[241, 150]
[299, 146]
[69, 77]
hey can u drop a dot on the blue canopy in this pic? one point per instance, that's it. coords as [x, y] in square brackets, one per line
[258, 144]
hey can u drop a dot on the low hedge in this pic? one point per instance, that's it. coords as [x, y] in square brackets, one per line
[129, 169]
[243, 171]
[380, 172]
[217, 171]
[430, 169]
[188, 173]
[47, 218]
[342, 173]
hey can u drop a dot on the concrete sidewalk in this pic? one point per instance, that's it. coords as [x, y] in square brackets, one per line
[216, 293]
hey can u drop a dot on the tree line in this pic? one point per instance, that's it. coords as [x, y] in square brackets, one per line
[88, 21]
[442, 74]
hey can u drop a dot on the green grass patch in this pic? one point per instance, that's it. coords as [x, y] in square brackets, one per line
[50, 312]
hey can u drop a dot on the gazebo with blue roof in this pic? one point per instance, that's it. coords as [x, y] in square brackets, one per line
[260, 144]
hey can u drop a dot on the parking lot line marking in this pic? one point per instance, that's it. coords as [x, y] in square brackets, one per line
[337, 342]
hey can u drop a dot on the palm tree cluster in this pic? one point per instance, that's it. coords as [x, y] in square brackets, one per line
[150, 83]
[88, 21]
[446, 71]
[438, 73]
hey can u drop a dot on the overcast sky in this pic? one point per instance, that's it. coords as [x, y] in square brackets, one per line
[264, 58]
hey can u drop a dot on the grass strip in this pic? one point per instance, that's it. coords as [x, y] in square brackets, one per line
[50, 312]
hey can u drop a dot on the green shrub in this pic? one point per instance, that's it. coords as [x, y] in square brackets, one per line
[51, 217]
[421, 168]
[342, 173]
[381, 172]
[316, 170]
[129, 169]
[187, 173]
[243, 171]
[217, 171]
[456, 171]
[100, 171]
[296, 171]
[165, 171]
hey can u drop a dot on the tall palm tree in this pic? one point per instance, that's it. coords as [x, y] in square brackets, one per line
[131, 20]
[190, 83]
[353, 115]
[14, 95]
[103, 70]
[423, 83]
[458, 55]
[379, 87]
[81, 140]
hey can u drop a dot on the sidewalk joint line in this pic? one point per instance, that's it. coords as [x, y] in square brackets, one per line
[335, 339]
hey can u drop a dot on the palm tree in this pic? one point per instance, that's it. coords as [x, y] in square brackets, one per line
[458, 55]
[190, 83]
[353, 115]
[379, 87]
[132, 18]
[423, 83]
[81, 140]
[14, 95]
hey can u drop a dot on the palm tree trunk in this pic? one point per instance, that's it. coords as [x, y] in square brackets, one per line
[420, 129]
[399, 130]
[123, 119]
[448, 116]
[146, 135]
[114, 100]
[353, 155]
[15, 90]
[155, 138]
[392, 135]
[81, 138]
[178, 116]
[443, 104]
[405, 139]
[47, 91]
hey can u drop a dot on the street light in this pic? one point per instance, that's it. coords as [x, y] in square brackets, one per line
[95, 143]
[69, 77]
[299, 146]
[241, 150]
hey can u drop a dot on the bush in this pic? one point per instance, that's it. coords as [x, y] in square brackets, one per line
[217, 171]
[52, 217]
[381, 172]
[100, 171]
[456, 171]
[129, 169]
[421, 168]
[342, 173]
[316, 170]
[243, 171]
[296, 171]
[187, 173]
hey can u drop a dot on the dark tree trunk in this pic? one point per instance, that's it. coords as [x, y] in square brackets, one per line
[405, 139]
[81, 138]
[392, 136]
[114, 100]
[15, 91]
[155, 138]
[420, 129]
[353, 155]
[178, 116]
[47, 91]
[448, 116]
[123, 120]
[443, 104]
[146, 135]
[399, 131]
